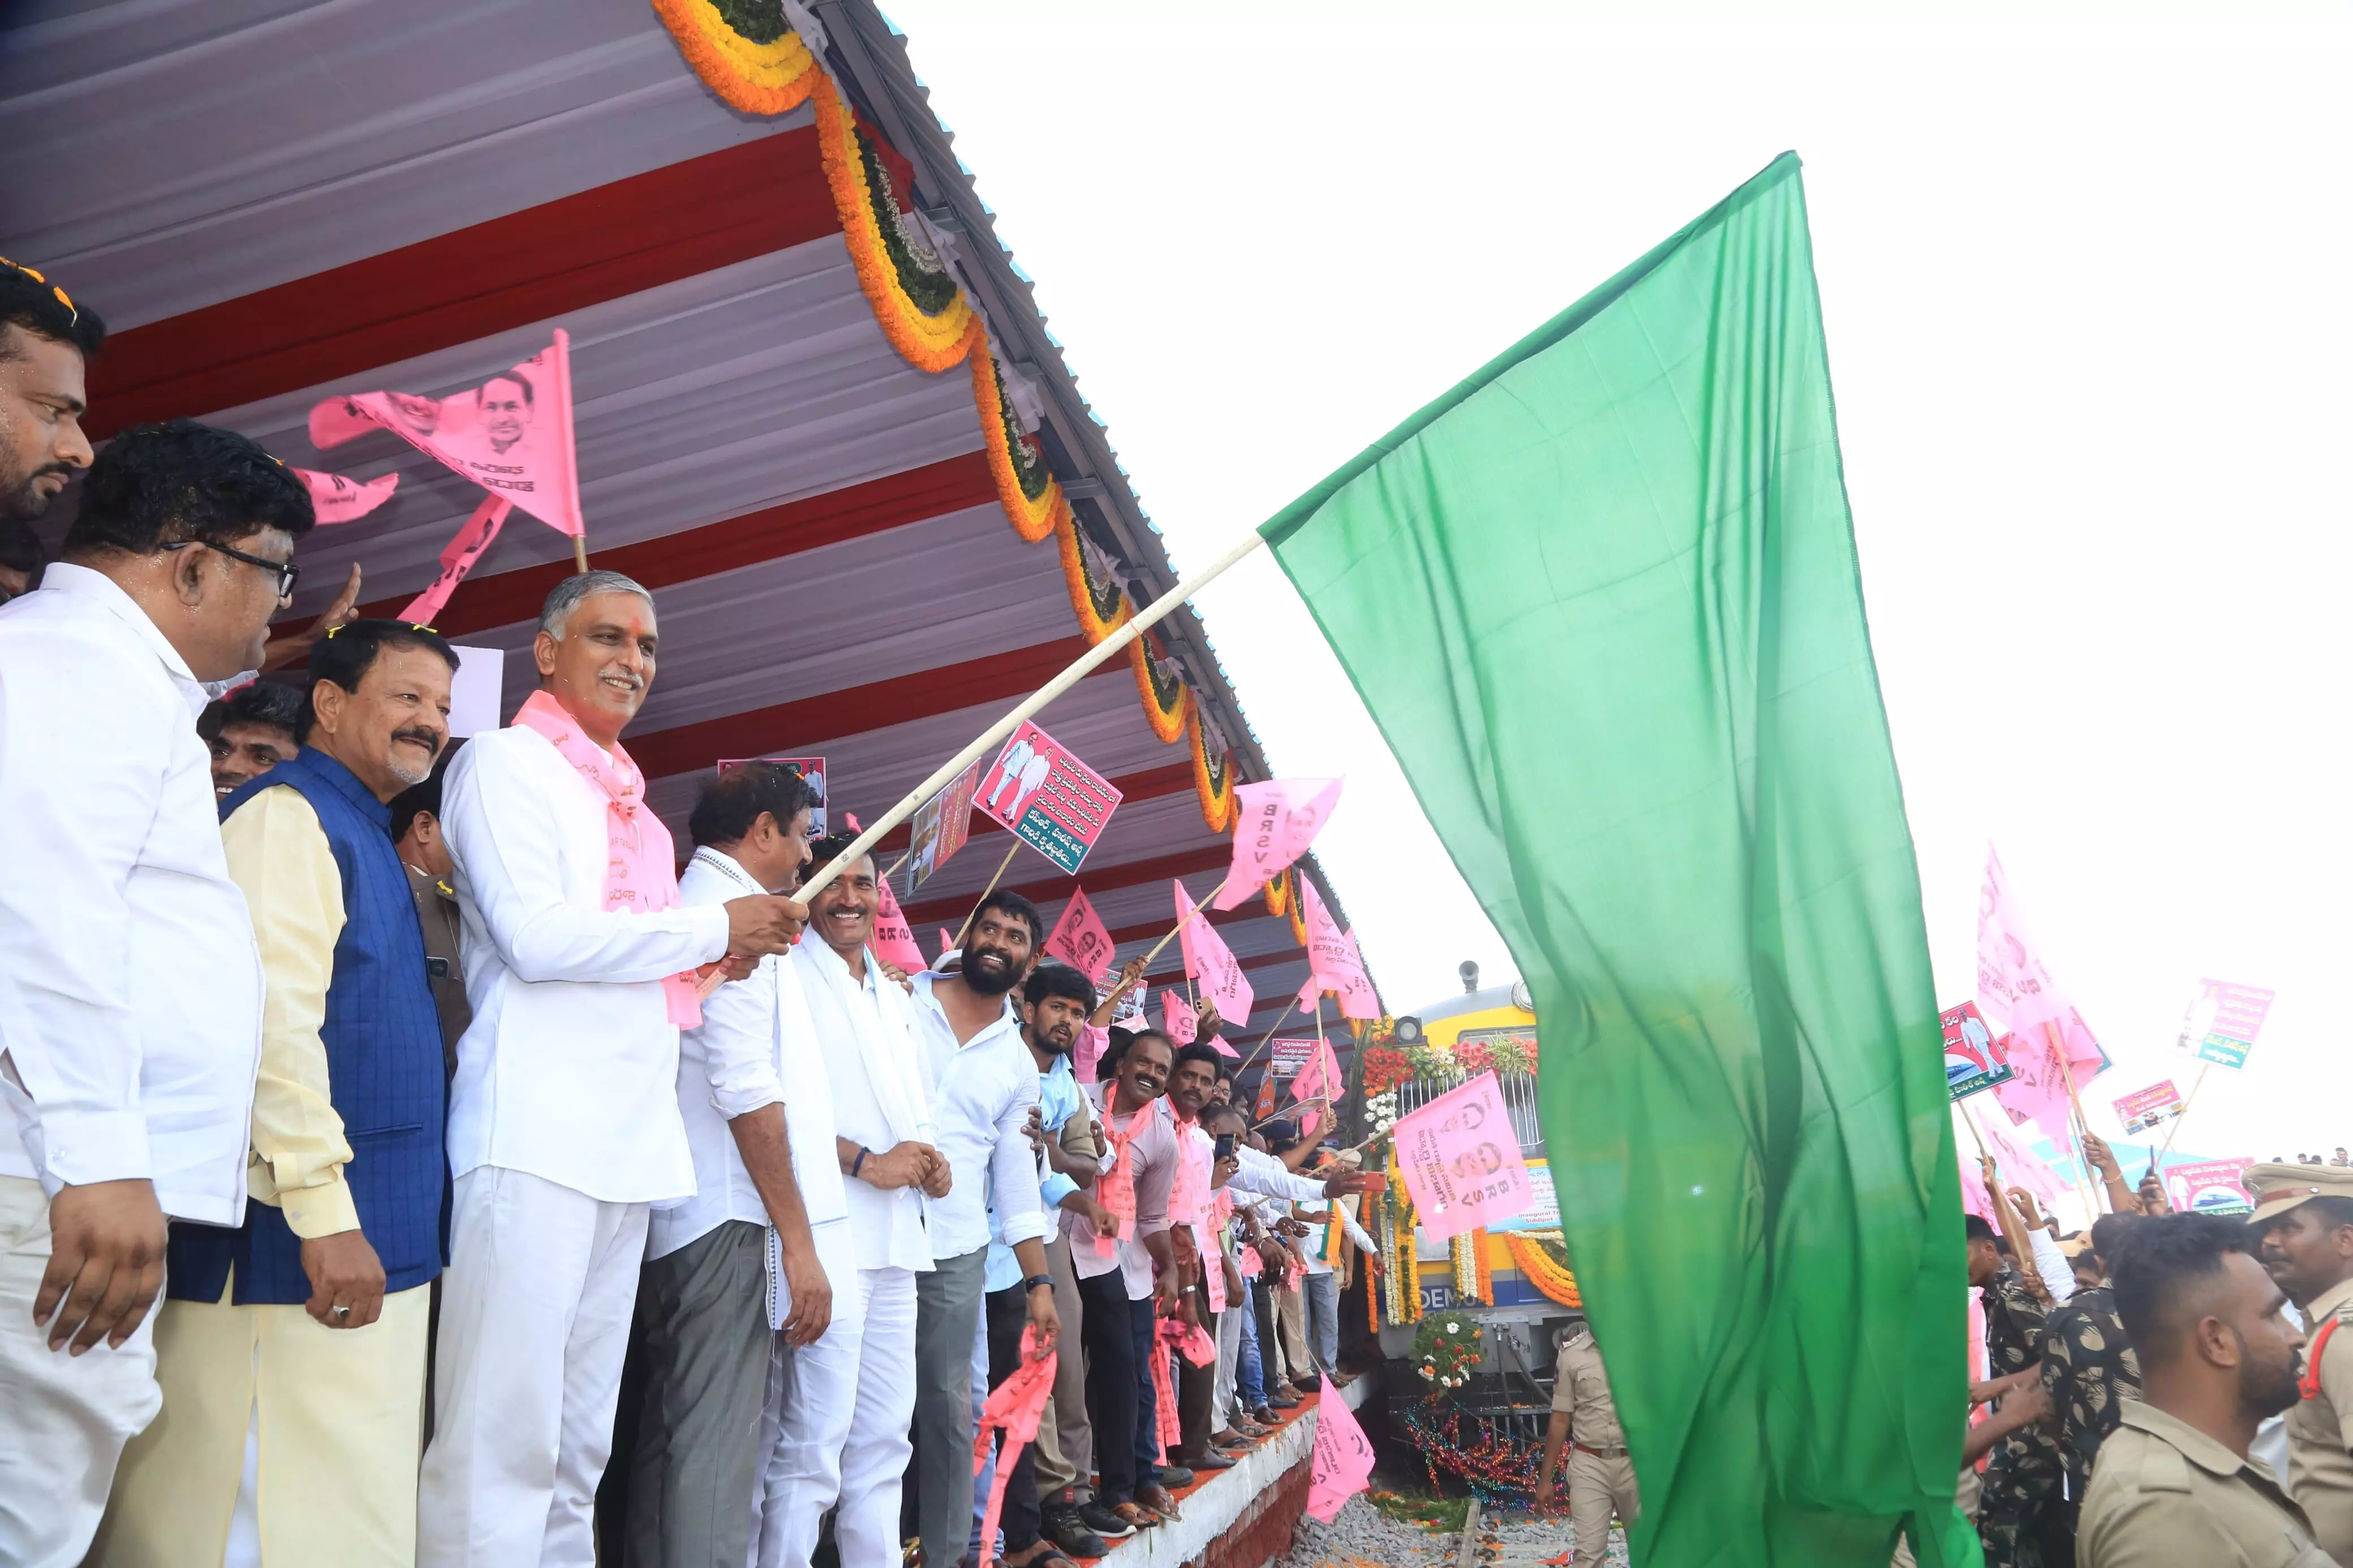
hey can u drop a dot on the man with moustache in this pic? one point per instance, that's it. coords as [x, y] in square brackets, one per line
[250, 732]
[301, 1334]
[45, 343]
[2304, 1216]
[1129, 1278]
[844, 1437]
[582, 967]
[130, 992]
[741, 1278]
[2174, 1484]
[985, 1085]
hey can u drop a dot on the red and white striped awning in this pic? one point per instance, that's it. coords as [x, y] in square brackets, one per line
[273, 201]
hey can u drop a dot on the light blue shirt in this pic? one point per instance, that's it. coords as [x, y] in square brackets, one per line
[1057, 1101]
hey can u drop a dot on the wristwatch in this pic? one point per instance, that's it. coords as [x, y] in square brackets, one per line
[1035, 1280]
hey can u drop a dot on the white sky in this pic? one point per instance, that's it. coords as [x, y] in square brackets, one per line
[2084, 273]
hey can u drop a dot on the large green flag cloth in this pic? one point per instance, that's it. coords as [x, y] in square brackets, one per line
[1602, 599]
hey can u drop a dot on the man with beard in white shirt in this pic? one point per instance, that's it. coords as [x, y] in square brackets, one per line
[742, 1276]
[581, 966]
[130, 986]
[985, 1085]
[844, 1442]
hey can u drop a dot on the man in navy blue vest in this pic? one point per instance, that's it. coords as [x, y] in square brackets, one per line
[301, 1334]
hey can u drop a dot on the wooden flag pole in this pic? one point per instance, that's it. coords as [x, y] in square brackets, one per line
[1180, 925]
[1262, 1039]
[1081, 668]
[2172, 1132]
[1968, 1116]
[901, 860]
[2081, 1125]
[993, 879]
[580, 551]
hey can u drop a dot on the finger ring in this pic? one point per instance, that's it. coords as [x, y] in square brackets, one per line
[342, 1312]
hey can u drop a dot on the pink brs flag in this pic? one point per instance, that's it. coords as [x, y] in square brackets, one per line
[1079, 939]
[1275, 822]
[1461, 1159]
[1342, 1461]
[1209, 960]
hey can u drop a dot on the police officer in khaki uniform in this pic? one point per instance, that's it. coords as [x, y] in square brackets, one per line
[1600, 1474]
[2173, 1487]
[2304, 1215]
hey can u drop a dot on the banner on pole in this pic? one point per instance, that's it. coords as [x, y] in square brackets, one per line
[1974, 1060]
[2210, 1187]
[1053, 803]
[1287, 1054]
[2222, 1021]
[941, 826]
[511, 435]
[812, 771]
[2147, 1108]
[1129, 1013]
[1461, 1161]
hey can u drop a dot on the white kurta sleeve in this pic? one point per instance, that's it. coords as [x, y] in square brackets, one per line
[1013, 1169]
[736, 1042]
[2058, 1273]
[83, 752]
[508, 846]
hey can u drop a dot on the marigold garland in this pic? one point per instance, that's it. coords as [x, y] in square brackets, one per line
[1167, 700]
[930, 337]
[1278, 890]
[1213, 777]
[1534, 1260]
[1101, 608]
[1026, 488]
[1298, 913]
[1483, 1280]
[772, 77]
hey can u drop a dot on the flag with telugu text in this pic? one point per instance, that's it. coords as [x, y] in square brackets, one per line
[1602, 599]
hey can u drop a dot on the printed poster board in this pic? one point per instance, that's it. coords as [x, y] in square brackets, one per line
[1053, 803]
[1974, 1059]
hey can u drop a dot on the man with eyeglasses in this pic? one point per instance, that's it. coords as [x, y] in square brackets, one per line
[129, 985]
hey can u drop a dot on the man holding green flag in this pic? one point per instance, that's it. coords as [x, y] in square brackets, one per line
[1602, 599]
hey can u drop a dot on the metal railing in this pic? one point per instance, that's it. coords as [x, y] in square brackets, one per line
[1519, 1099]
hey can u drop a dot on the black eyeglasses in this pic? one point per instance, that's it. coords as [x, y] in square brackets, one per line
[287, 570]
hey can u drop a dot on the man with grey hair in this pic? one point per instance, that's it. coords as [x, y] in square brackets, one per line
[564, 1128]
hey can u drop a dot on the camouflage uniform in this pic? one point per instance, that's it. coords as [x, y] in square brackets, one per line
[2088, 1370]
[2022, 1478]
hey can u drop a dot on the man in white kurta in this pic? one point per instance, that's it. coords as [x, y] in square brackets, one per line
[741, 1278]
[129, 987]
[845, 1433]
[563, 1120]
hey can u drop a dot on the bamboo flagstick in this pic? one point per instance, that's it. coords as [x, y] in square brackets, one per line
[1262, 1039]
[1180, 925]
[2172, 1132]
[1081, 668]
[994, 876]
[2079, 1124]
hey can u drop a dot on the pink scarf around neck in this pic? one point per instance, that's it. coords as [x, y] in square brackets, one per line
[640, 874]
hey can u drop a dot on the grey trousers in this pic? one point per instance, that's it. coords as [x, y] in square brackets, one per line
[1069, 1461]
[705, 1313]
[948, 1322]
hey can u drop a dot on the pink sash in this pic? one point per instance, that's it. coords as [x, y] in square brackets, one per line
[639, 873]
[1116, 1190]
[1196, 1207]
[1014, 1409]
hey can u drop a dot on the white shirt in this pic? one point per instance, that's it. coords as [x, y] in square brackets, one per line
[981, 1096]
[569, 1070]
[130, 988]
[1154, 1148]
[1263, 1175]
[756, 1046]
[1314, 1245]
[881, 1096]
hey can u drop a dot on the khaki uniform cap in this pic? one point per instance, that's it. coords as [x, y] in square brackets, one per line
[2279, 1188]
[2164, 1495]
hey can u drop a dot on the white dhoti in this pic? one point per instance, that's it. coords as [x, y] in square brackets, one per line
[837, 1428]
[63, 1419]
[535, 1310]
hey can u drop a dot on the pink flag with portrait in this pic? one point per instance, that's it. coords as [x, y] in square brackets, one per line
[894, 939]
[1460, 1159]
[1273, 824]
[511, 435]
[1209, 960]
[334, 499]
[1079, 939]
[1334, 964]
[1317, 1083]
[1177, 1016]
[1341, 1464]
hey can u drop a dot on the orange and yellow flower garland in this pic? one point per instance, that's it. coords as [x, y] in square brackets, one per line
[931, 341]
[758, 78]
[1168, 701]
[1031, 496]
[1535, 1260]
[1213, 778]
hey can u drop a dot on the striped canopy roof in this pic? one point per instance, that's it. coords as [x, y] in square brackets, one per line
[816, 410]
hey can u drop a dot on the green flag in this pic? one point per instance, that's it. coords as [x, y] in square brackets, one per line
[1602, 600]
